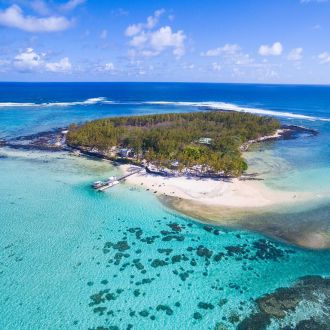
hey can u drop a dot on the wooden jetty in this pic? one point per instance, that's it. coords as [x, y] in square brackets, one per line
[112, 181]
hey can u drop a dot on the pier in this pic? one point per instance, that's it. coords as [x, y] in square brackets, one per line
[112, 181]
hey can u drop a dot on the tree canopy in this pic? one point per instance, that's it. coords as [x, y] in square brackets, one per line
[210, 139]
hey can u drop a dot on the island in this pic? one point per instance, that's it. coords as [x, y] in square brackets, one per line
[195, 163]
[199, 143]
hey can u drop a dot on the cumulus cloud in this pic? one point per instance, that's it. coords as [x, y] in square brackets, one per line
[14, 17]
[324, 57]
[151, 22]
[165, 37]
[226, 49]
[230, 54]
[295, 54]
[139, 40]
[62, 65]
[72, 4]
[275, 49]
[154, 19]
[30, 60]
[147, 41]
[109, 67]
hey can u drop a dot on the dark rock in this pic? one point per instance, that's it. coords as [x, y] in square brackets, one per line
[202, 251]
[197, 316]
[311, 324]
[168, 310]
[158, 263]
[283, 301]
[178, 238]
[204, 305]
[166, 251]
[257, 321]
[144, 313]
[175, 227]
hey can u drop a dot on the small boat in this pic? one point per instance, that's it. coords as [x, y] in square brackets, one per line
[112, 183]
[97, 184]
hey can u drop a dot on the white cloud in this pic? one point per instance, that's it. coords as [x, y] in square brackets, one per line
[13, 17]
[149, 42]
[29, 60]
[72, 4]
[133, 29]
[139, 40]
[230, 54]
[63, 65]
[226, 49]
[324, 57]
[104, 34]
[216, 66]
[149, 53]
[295, 54]
[274, 50]
[152, 21]
[242, 59]
[164, 38]
[109, 67]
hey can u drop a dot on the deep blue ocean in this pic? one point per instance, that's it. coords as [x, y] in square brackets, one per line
[71, 258]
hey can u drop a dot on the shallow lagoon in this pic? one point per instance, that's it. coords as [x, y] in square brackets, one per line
[59, 248]
[68, 254]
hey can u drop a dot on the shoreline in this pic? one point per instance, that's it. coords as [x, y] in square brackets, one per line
[242, 203]
[239, 193]
[234, 203]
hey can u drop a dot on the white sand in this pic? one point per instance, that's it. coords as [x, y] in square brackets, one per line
[233, 193]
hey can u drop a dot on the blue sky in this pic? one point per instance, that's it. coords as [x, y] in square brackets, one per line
[262, 41]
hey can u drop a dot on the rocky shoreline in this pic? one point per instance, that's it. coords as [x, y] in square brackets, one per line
[286, 132]
[55, 140]
[277, 307]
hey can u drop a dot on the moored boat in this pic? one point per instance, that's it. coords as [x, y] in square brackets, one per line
[97, 184]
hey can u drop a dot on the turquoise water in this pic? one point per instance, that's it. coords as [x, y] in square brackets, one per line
[71, 258]
[54, 229]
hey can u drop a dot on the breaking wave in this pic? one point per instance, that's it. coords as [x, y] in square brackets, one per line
[232, 107]
[90, 101]
[223, 106]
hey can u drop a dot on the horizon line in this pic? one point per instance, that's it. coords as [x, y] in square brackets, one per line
[164, 82]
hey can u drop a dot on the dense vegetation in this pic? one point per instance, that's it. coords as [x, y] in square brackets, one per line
[209, 139]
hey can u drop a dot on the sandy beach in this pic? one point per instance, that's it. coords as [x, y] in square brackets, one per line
[238, 203]
[232, 193]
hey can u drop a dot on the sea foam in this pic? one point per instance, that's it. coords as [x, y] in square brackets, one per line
[210, 105]
[232, 107]
[89, 101]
